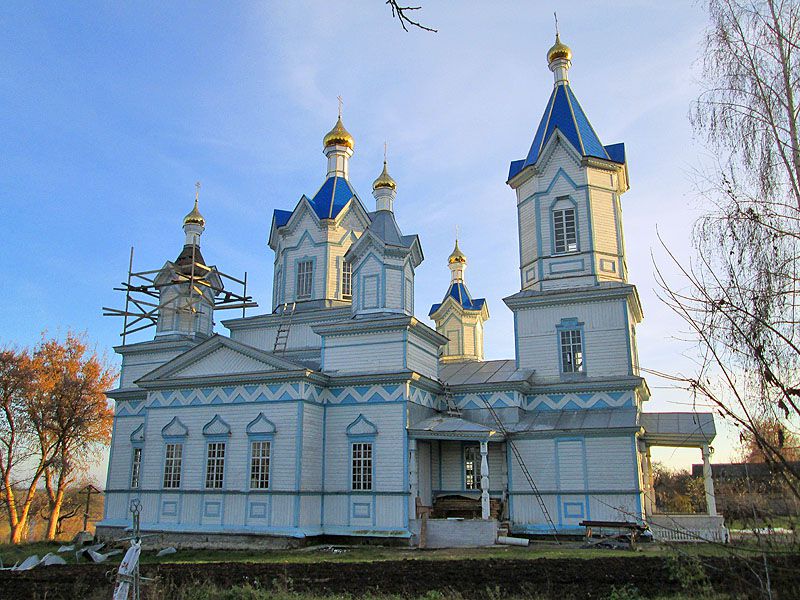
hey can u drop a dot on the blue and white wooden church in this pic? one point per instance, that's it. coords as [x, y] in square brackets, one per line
[341, 413]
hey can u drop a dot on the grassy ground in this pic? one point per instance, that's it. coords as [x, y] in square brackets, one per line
[255, 593]
[10, 554]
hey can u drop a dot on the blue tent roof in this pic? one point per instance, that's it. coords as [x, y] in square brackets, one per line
[281, 217]
[327, 203]
[331, 197]
[459, 293]
[564, 113]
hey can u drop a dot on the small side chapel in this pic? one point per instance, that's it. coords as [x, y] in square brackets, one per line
[339, 412]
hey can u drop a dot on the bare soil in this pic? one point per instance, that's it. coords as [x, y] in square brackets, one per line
[559, 579]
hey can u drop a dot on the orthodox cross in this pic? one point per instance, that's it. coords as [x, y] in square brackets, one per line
[555, 16]
[196, 191]
[341, 102]
[385, 150]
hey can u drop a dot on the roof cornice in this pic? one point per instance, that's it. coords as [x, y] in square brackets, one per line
[531, 298]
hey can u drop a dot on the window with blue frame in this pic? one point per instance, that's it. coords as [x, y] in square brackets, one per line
[362, 466]
[472, 467]
[347, 280]
[259, 464]
[173, 456]
[136, 467]
[571, 350]
[305, 278]
[565, 232]
[215, 465]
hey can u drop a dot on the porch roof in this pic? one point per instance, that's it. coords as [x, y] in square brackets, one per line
[576, 420]
[691, 430]
[443, 427]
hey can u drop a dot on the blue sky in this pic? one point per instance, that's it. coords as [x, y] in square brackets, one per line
[111, 112]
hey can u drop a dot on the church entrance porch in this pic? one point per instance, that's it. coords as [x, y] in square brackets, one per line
[686, 430]
[458, 482]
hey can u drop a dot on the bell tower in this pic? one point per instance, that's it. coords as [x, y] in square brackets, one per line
[568, 195]
[575, 316]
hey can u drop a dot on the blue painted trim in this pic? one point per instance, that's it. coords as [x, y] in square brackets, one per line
[134, 447]
[214, 420]
[629, 347]
[571, 513]
[405, 349]
[324, 461]
[298, 479]
[299, 400]
[362, 439]
[178, 424]
[439, 444]
[637, 484]
[259, 437]
[371, 429]
[232, 492]
[406, 482]
[510, 472]
[177, 442]
[571, 324]
[215, 440]
[297, 261]
[551, 214]
[578, 262]
[263, 422]
[111, 462]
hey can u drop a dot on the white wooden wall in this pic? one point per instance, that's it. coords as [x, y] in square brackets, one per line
[579, 478]
[377, 352]
[600, 254]
[388, 504]
[605, 338]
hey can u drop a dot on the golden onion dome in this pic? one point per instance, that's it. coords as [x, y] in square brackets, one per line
[338, 136]
[457, 256]
[559, 50]
[384, 180]
[194, 217]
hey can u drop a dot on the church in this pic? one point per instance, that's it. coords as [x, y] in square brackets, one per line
[341, 413]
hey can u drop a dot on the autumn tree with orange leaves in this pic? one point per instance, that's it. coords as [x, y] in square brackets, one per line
[54, 418]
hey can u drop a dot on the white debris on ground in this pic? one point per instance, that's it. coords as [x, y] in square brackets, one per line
[69, 548]
[51, 559]
[97, 557]
[166, 551]
[27, 564]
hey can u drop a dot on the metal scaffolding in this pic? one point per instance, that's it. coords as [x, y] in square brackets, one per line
[143, 292]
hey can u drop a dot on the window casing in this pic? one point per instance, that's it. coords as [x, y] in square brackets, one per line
[571, 350]
[565, 232]
[215, 465]
[305, 278]
[136, 467]
[347, 280]
[173, 456]
[362, 466]
[259, 464]
[472, 467]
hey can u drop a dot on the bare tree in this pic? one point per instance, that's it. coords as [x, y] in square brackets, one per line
[402, 14]
[749, 105]
[739, 295]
